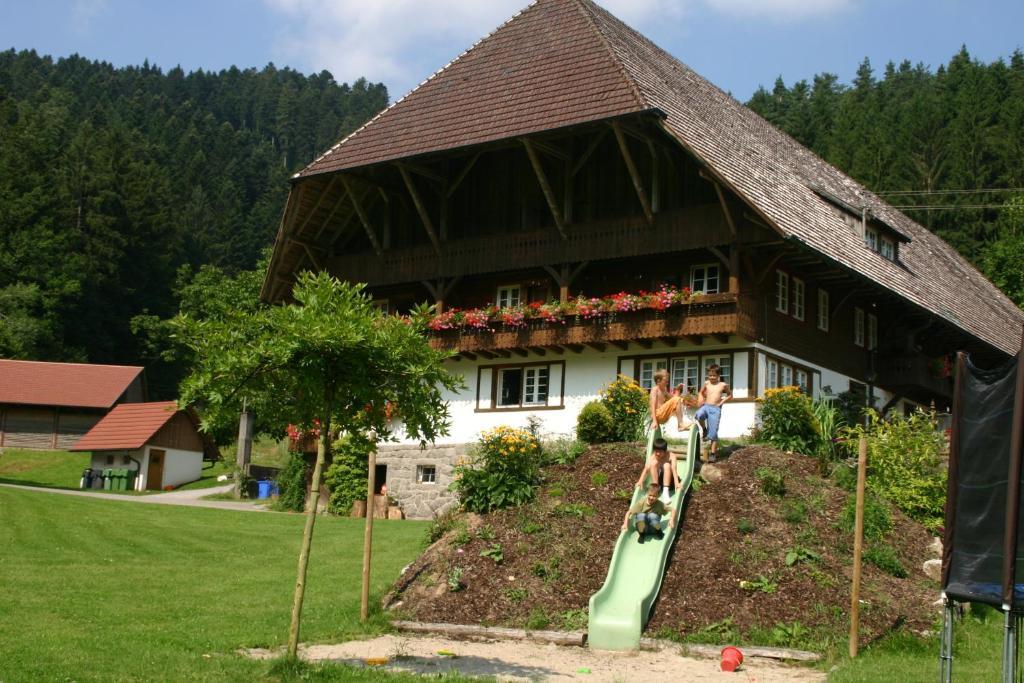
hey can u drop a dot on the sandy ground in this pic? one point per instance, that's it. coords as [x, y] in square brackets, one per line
[533, 661]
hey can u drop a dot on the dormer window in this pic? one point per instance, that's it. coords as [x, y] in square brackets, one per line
[509, 296]
[871, 238]
[888, 249]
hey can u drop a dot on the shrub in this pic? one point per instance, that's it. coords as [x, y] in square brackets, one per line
[627, 404]
[745, 526]
[845, 477]
[904, 464]
[292, 484]
[514, 595]
[562, 450]
[454, 579]
[773, 482]
[830, 423]
[439, 526]
[787, 420]
[346, 477]
[538, 619]
[794, 512]
[599, 478]
[503, 471]
[594, 424]
[884, 557]
[877, 518]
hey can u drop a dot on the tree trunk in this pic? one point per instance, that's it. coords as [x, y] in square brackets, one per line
[307, 535]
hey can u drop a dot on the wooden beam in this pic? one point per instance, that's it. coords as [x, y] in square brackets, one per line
[316, 206]
[489, 355]
[545, 186]
[503, 353]
[722, 338]
[669, 341]
[469, 354]
[363, 218]
[428, 225]
[462, 175]
[539, 350]
[623, 345]
[575, 348]
[594, 142]
[597, 346]
[719, 255]
[522, 353]
[767, 268]
[423, 171]
[655, 186]
[548, 148]
[645, 343]
[634, 174]
[312, 257]
[557, 350]
[695, 339]
[725, 208]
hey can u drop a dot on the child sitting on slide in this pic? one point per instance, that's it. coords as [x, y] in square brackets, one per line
[649, 514]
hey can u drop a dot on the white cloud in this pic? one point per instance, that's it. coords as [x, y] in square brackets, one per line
[401, 42]
[83, 12]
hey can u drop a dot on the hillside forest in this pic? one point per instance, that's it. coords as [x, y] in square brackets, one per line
[130, 193]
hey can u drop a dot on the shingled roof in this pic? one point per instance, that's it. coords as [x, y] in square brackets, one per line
[78, 385]
[128, 426]
[565, 62]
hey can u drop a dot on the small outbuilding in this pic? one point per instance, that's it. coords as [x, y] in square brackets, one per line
[159, 444]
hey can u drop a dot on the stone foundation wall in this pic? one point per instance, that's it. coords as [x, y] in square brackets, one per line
[420, 500]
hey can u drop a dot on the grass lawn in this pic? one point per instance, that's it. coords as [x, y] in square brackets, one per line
[109, 590]
[977, 649]
[55, 469]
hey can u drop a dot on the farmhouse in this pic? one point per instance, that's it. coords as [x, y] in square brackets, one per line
[51, 405]
[159, 444]
[579, 204]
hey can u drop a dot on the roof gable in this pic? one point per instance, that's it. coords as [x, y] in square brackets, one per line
[64, 384]
[128, 426]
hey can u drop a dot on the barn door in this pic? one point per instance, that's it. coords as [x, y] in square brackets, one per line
[155, 473]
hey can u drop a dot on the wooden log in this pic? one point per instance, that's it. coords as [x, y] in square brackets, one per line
[858, 542]
[380, 507]
[358, 508]
[395, 512]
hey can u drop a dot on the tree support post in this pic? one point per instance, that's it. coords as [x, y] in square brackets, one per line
[371, 487]
[858, 540]
[307, 536]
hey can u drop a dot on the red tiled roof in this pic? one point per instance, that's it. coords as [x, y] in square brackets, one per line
[127, 426]
[64, 384]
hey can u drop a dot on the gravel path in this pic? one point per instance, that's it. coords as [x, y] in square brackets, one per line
[189, 497]
[531, 661]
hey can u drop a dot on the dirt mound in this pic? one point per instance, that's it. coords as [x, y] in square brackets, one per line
[537, 566]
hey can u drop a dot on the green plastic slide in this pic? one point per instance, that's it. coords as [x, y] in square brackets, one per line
[619, 611]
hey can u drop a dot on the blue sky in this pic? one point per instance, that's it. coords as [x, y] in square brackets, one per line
[737, 44]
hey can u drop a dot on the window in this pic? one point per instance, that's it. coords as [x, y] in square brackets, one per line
[772, 380]
[381, 305]
[801, 381]
[110, 459]
[871, 238]
[798, 298]
[426, 474]
[686, 371]
[704, 278]
[523, 386]
[858, 326]
[509, 296]
[724, 368]
[647, 370]
[787, 375]
[872, 331]
[781, 292]
[888, 249]
[823, 310]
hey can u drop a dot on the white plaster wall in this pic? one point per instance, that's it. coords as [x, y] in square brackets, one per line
[180, 467]
[99, 461]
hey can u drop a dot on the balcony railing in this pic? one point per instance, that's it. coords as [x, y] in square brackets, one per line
[912, 376]
[713, 314]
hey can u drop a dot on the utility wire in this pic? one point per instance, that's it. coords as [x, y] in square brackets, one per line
[946, 207]
[894, 193]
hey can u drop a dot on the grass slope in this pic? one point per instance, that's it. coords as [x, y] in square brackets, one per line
[55, 469]
[105, 590]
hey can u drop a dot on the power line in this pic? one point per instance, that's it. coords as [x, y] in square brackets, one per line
[894, 193]
[946, 207]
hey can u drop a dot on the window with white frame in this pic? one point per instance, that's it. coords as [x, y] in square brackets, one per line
[647, 369]
[871, 238]
[771, 380]
[509, 296]
[786, 378]
[426, 474]
[872, 331]
[798, 298]
[802, 381]
[888, 249]
[781, 292]
[705, 278]
[858, 326]
[823, 310]
[525, 386]
[686, 371]
[724, 363]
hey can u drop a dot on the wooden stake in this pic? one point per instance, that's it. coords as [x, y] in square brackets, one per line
[307, 536]
[858, 540]
[371, 485]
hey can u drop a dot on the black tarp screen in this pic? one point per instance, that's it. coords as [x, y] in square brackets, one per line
[979, 478]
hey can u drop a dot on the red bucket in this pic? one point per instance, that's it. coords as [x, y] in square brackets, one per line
[731, 658]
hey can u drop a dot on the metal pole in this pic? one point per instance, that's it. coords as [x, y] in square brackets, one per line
[1009, 640]
[371, 485]
[946, 656]
[858, 542]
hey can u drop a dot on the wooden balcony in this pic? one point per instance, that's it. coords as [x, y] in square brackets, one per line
[910, 376]
[713, 315]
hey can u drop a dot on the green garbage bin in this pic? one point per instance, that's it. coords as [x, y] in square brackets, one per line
[129, 481]
[122, 479]
[108, 479]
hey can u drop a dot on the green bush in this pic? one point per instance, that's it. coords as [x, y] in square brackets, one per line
[844, 476]
[627, 404]
[594, 423]
[794, 512]
[884, 557]
[830, 422]
[745, 526]
[292, 484]
[562, 450]
[877, 518]
[773, 482]
[504, 471]
[787, 420]
[904, 464]
[346, 476]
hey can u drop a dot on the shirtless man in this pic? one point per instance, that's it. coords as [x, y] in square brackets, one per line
[713, 395]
